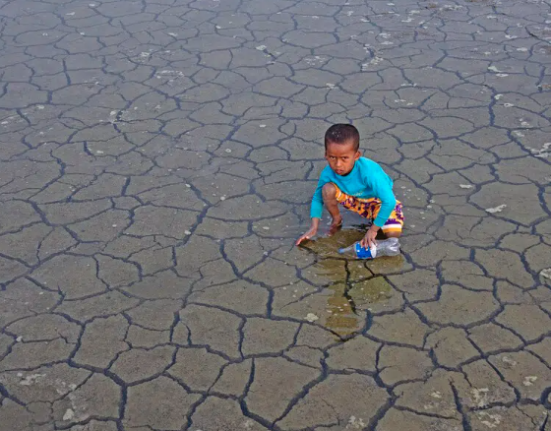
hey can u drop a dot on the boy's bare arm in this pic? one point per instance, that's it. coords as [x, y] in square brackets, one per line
[311, 232]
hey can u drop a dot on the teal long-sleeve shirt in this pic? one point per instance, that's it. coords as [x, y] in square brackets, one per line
[366, 180]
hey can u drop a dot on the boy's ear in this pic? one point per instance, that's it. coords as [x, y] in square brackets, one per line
[358, 155]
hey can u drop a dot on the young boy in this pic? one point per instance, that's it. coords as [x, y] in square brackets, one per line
[357, 183]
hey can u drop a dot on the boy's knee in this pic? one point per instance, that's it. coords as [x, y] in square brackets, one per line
[329, 191]
[394, 234]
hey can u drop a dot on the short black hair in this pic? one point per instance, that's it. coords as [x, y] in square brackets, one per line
[342, 133]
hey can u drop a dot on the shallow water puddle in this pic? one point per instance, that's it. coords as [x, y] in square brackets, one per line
[354, 287]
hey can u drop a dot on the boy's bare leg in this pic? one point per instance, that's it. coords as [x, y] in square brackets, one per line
[385, 235]
[393, 234]
[329, 192]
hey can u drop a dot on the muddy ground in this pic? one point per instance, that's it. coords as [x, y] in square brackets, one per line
[157, 160]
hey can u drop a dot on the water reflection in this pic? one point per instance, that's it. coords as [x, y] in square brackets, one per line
[354, 285]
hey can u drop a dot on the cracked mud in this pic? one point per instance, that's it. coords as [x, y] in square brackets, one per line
[157, 162]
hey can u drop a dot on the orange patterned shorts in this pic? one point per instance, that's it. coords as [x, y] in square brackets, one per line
[369, 208]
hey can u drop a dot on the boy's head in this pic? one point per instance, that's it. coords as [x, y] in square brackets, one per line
[342, 145]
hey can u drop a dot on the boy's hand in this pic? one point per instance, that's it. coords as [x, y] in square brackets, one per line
[369, 238]
[311, 232]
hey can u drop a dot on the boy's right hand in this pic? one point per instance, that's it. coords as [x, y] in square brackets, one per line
[311, 232]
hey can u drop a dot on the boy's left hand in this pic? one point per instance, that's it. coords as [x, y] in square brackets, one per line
[369, 238]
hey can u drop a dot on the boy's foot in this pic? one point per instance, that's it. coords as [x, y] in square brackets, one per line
[335, 226]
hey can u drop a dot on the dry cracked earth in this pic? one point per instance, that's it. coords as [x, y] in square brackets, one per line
[157, 162]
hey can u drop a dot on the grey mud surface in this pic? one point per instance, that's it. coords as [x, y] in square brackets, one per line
[157, 160]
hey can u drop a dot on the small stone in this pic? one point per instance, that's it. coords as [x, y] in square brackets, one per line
[311, 317]
[497, 209]
[69, 414]
[529, 380]
[466, 186]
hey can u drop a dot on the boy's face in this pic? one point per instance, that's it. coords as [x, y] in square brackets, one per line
[341, 157]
